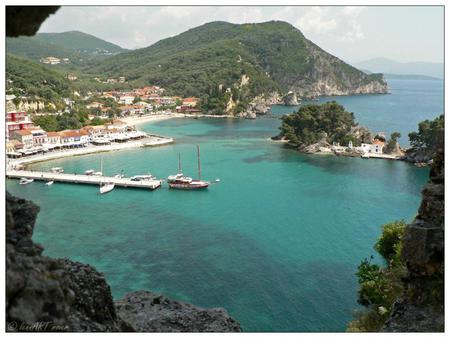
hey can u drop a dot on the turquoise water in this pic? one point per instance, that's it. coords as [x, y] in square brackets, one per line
[276, 242]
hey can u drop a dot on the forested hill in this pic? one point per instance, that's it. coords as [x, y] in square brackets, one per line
[79, 47]
[273, 55]
[80, 42]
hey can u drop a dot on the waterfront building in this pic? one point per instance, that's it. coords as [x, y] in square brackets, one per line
[376, 147]
[24, 136]
[17, 121]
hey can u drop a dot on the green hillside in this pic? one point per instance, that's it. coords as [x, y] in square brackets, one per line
[26, 78]
[82, 49]
[81, 42]
[274, 55]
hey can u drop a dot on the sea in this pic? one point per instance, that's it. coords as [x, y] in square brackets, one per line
[276, 242]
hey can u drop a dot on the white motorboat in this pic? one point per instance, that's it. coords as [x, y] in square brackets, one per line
[57, 170]
[118, 176]
[106, 187]
[97, 173]
[24, 181]
[142, 177]
[89, 172]
[49, 182]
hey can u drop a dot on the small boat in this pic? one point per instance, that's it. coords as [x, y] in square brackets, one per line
[119, 175]
[97, 173]
[217, 180]
[365, 155]
[142, 177]
[57, 170]
[24, 181]
[89, 172]
[179, 181]
[106, 187]
[49, 182]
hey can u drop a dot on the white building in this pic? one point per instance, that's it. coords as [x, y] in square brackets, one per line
[375, 148]
[126, 99]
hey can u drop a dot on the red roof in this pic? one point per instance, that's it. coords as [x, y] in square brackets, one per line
[23, 132]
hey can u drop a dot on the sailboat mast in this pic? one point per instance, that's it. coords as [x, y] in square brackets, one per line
[179, 163]
[198, 159]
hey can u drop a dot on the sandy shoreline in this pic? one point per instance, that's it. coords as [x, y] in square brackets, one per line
[161, 117]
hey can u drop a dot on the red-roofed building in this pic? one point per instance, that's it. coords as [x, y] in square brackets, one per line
[190, 101]
[24, 136]
[17, 121]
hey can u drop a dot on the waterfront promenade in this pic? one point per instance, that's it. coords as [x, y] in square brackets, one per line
[151, 141]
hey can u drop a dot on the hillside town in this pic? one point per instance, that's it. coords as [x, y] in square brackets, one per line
[24, 138]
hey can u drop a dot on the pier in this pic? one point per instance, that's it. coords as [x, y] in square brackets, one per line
[83, 179]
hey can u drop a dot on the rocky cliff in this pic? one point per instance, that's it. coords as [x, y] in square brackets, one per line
[46, 294]
[328, 76]
[421, 308]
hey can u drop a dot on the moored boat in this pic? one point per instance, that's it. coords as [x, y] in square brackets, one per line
[24, 181]
[179, 181]
[142, 177]
[89, 172]
[106, 187]
[49, 182]
[57, 170]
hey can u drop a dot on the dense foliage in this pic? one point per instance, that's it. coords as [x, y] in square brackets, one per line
[314, 122]
[73, 120]
[379, 287]
[26, 78]
[428, 134]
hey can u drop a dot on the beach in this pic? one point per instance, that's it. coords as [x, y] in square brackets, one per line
[133, 120]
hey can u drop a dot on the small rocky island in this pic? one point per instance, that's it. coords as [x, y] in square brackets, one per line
[329, 129]
[47, 294]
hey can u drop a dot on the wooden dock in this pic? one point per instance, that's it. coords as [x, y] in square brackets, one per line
[83, 179]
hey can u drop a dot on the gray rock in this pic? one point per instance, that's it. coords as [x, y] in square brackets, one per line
[290, 99]
[150, 312]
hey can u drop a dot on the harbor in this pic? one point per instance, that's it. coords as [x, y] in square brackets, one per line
[82, 179]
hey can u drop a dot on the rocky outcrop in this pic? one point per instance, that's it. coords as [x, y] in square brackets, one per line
[149, 312]
[46, 294]
[421, 155]
[421, 308]
[290, 99]
[260, 105]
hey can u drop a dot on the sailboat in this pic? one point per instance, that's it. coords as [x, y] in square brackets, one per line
[105, 187]
[179, 181]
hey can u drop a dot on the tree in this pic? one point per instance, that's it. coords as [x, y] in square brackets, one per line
[392, 143]
[388, 244]
[307, 126]
[428, 133]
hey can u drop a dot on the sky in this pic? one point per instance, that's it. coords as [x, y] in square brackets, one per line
[401, 33]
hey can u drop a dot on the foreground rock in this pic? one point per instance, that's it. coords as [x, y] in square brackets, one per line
[149, 312]
[46, 294]
[421, 308]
